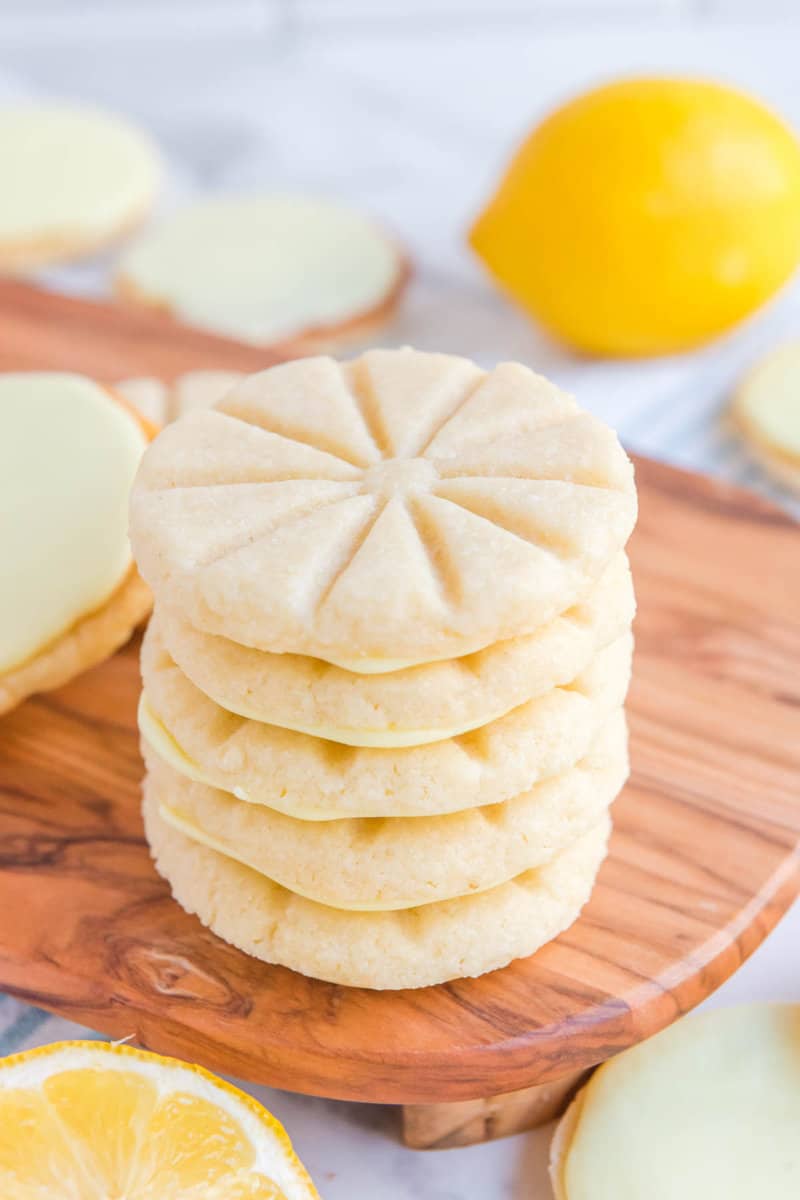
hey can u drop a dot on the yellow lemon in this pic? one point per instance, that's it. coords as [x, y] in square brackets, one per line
[647, 216]
[90, 1121]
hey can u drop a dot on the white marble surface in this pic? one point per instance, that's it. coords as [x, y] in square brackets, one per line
[408, 108]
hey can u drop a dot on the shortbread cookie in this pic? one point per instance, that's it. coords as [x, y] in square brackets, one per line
[161, 403]
[68, 454]
[74, 179]
[89, 641]
[399, 509]
[314, 779]
[766, 410]
[403, 708]
[267, 269]
[400, 862]
[707, 1108]
[409, 948]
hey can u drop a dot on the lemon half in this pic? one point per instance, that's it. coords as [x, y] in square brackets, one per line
[93, 1121]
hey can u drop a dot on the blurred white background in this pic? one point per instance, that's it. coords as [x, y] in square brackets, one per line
[409, 109]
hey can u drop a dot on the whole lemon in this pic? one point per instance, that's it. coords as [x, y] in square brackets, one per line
[647, 216]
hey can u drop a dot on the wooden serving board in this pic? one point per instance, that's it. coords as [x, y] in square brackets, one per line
[703, 860]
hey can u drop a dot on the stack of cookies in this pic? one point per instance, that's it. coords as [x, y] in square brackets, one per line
[383, 686]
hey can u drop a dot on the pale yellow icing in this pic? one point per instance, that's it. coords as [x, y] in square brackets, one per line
[385, 739]
[710, 1108]
[264, 268]
[768, 400]
[68, 455]
[376, 666]
[72, 173]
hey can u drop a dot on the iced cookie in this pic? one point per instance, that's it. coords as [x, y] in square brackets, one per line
[398, 509]
[74, 180]
[707, 1108]
[314, 779]
[400, 862]
[410, 707]
[410, 948]
[267, 269]
[766, 409]
[68, 453]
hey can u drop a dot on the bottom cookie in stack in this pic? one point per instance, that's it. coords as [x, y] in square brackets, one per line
[401, 948]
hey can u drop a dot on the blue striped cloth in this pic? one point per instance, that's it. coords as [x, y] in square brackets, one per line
[22, 1027]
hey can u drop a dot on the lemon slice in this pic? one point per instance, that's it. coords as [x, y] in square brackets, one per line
[93, 1121]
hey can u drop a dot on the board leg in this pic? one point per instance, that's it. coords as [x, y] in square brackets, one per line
[467, 1122]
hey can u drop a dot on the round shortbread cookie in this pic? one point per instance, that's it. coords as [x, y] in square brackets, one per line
[403, 708]
[400, 862]
[398, 509]
[266, 269]
[708, 1108]
[766, 410]
[69, 450]
[409, 948]
[314, 779]
[74, 179]
[161, 403]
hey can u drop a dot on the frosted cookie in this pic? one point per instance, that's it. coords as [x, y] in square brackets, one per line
[400, 862]
[68, 454]
[399, 509]
[266, 269]
[161, 403]
[403, 708]
[766, 410]
[410, 948]
[313, 779]
[74, 180]
[711, 1104]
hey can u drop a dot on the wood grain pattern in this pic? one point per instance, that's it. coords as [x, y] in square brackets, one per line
[41, 330]
[704, 857]
[468, 1122]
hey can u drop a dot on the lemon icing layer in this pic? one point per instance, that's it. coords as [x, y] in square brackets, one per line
[71, 175]
[264, 267]
[766, 402]
[708, 1108]
[68, 455]
[377, 666]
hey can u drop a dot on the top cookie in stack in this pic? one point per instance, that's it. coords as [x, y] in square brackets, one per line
[391, 588]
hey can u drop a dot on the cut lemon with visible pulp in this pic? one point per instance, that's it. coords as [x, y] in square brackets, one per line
[93, 1121]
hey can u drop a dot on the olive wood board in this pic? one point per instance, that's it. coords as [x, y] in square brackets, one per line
[703, 859]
